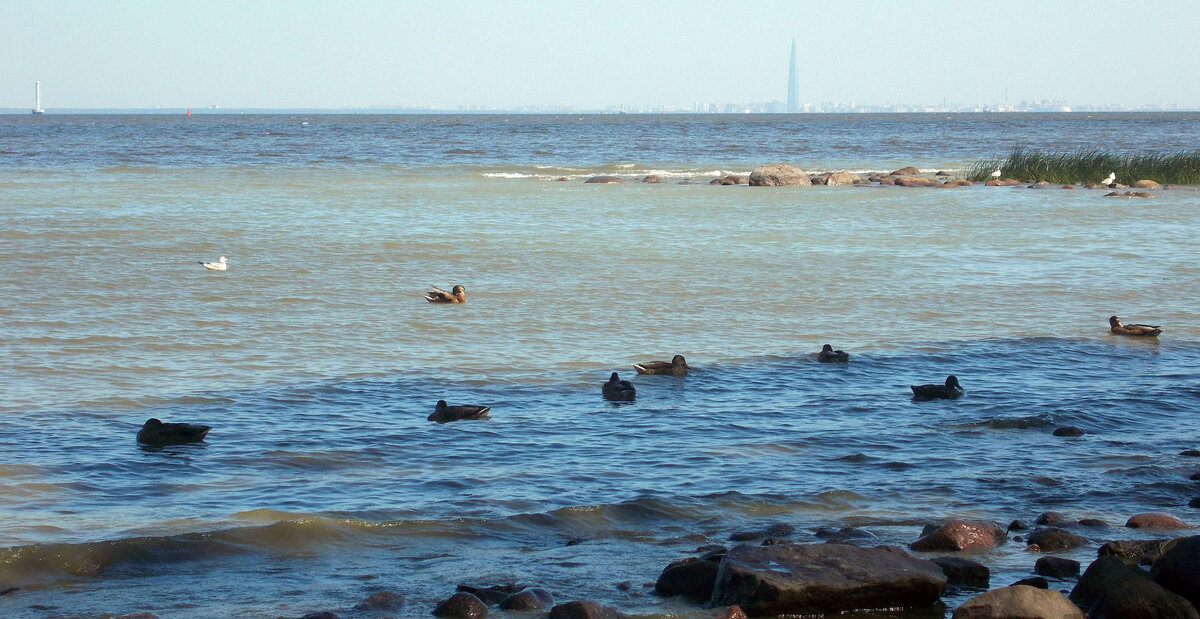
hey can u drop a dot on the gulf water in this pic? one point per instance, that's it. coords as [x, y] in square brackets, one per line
[316, 359]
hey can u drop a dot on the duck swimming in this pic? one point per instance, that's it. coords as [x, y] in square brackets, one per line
[829, 355]
[155, 432]
[948, 391]
[443, 413]
[677, 366]
[1135, 330]
[458, 294]
[619, 390]
[219, 265]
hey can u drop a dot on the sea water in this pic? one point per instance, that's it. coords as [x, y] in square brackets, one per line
[316, 359]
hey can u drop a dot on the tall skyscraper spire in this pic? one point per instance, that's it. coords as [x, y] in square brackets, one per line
[793, 100]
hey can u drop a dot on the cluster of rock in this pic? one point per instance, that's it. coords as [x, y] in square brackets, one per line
[472, 602]
[782, 578]
[782, 174]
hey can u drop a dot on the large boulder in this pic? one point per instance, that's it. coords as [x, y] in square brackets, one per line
[1018, 602]
[778, 174]
[1178, 571]
[824, 578]
[529, 598]
[462, 605]
[1134, 552]
[916, 181]
[1056, 567]
[604, 178]
[1110, 589]
[691, 577]
[1145, 183]
[906, 171]
[961, 535]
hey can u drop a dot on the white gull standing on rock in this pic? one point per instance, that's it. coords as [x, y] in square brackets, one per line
[1112, 178]
[219, 265]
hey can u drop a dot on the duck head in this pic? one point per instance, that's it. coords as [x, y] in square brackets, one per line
[1113, 321]
[827, 348]
[152, 423]
[441, 406]
[614, 378]
[952, 382]
[678, 360]
[458, 289]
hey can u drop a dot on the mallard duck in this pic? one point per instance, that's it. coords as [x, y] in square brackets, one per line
[617, 389]
[1115, 326]
[677, 366]
[155, 432]
[457, 294]
[219, 265]
[443, 413]
[829, 355]
[948, 391]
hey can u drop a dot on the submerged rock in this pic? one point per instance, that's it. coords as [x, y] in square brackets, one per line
[529, 598]
[1018, 602]
[824, 578]
[384, 600]
[604, 179]
[653, 178]
[692, 578]
[965, 572]
[1068, 431]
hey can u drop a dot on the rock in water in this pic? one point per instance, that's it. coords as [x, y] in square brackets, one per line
[824, 578]
[779, 174]
[1178, 570]
[1111, 589]
[1018, 601]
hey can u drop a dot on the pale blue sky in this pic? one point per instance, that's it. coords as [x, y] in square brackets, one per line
[324, 54]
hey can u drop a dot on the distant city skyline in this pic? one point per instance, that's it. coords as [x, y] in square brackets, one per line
[669, 56]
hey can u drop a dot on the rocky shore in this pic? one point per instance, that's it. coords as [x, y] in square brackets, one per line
[763, 573]
[785, 175]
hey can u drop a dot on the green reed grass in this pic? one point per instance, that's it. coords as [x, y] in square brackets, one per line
[1092, 166]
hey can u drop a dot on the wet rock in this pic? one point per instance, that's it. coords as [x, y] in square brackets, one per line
[916, 181]
[961, 535]
[824, 578]
[1195, 476]
[1033, 581]
[906, 171]
[1178, 571]
[1003, 182]
[733, 612]
[1054, 538]
[778, 174]
[942, 173]
[887, 180]
[604, 179]
[1050, 518]
[1068, 186]
[771, 541]
[384, 600]
[1135, 552]
[1017, 525]
[322, 614]
[562, 179]
[692, 578]
[1068, 431]
[1155, 520]
[491, 595]
[583, 609]
[1056, 567]
[1018, 602]
[530, 598]
[624, 585]
[1110, 589]
[461, 604]
[1093, 523]
[653, 178]
[964, 572]
[1145, 184]
[1194, 503]
[730, 179]
[843, 178]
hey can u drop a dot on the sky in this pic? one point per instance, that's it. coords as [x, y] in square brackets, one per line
[306, 54]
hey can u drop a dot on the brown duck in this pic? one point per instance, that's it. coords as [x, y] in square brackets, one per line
[829, 355]
[444, 413]
[1135, 330]
[155, 432]
[677, 366]
[948, 391]
[457, 294]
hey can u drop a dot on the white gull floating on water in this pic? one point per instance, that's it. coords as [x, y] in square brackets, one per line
[219, 265]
